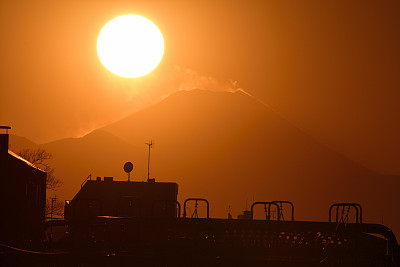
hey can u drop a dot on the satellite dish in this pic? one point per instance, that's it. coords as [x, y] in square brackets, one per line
[128, 167]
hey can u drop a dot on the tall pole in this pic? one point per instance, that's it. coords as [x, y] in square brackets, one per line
[53, 199]
[148, 160]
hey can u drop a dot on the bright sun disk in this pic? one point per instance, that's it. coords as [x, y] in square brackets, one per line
[130, 46]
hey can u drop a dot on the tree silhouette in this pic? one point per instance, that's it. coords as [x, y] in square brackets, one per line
[40, 158]
[54, 210]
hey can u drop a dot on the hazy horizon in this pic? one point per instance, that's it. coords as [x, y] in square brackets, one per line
[235, 102]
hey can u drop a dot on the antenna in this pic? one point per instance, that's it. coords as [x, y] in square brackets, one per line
[148, 160]
[229, 212]
[53, 200]
[128, 167]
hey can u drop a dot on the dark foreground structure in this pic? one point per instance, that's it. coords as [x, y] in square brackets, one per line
[122, 223]
[22, 197]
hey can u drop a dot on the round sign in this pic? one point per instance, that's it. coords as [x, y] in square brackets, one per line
[128, 167]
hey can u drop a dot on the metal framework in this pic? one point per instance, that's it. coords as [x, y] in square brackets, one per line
[161, 241]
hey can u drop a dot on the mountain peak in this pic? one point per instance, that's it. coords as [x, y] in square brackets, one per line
[201, 94]
[212, 142]
[226, 147]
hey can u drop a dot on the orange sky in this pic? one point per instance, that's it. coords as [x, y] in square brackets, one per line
[331, 67]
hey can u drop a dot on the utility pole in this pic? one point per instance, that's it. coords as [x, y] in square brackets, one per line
[148, 160]
[53, 200]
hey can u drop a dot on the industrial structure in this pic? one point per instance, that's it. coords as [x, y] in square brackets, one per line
[114, 223]
[105, 197]
[143, 223]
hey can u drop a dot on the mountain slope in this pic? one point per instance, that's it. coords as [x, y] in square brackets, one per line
[98, 153]
[18, 143]
[228, 147]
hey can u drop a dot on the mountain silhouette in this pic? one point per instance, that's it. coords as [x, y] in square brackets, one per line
[98, 153]
[18, 143]
[231, 149]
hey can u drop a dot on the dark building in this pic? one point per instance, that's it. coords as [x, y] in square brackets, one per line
[123, 199]
[22, 197]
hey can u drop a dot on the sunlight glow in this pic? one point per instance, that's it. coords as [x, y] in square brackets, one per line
[130, 46]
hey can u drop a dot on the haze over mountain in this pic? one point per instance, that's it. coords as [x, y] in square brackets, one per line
[98, 153]
[230, 149]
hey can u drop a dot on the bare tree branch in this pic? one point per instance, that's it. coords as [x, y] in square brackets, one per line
[40, 158]
[58, 208]
[37, 157]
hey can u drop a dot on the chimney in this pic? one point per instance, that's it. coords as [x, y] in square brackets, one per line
[4, 139]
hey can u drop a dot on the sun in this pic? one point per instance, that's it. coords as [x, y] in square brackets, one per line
[130, 46]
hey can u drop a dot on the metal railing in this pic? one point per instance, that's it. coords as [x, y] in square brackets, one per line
[87, 178]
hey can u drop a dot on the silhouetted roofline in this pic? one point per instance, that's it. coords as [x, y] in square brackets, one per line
[24, 160]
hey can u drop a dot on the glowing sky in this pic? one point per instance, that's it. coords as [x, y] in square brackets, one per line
[330, 67]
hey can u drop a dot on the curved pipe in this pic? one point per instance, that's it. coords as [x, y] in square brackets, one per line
[167, 201]
[196, 199]
[286, 202]
[356, 206]
[265, 206]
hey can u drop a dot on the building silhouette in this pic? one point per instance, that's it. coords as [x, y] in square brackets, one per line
[22, 197]
[115, 223]
[106, 197]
